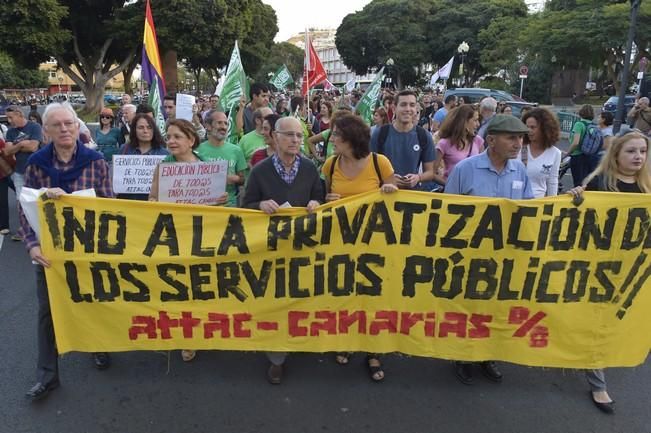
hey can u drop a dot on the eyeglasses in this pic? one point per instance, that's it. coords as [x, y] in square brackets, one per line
[106, 117]
[58, 126]
[290, 134]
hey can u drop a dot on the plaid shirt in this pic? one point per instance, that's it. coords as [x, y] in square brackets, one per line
[95, 175]
[290, 176]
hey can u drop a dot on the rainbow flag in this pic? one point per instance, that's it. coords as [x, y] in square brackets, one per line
[151, 64]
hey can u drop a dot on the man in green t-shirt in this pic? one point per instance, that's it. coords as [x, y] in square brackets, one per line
[254, 140]
[217, 149]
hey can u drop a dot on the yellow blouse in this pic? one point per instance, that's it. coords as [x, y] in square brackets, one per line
[367, 180]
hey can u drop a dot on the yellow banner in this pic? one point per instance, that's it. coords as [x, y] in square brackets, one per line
[540, 283]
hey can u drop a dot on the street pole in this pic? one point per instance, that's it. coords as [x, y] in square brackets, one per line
[521, 86]
[620, 115]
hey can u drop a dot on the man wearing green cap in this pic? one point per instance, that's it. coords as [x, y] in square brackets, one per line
[494, 173]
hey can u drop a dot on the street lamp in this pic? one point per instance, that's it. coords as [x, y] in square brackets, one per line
[60, 80]
[389, 64]
[463, 50]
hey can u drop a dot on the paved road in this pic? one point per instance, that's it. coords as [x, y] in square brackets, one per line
[227, 392]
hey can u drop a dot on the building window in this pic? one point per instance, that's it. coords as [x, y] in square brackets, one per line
[53, 74]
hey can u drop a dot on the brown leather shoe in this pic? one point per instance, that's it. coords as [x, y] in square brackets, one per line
[275, 374]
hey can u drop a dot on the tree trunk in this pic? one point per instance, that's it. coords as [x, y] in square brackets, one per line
[197, 78]
[94, 99]
[92, 75]
[127, 74]
[170, 72]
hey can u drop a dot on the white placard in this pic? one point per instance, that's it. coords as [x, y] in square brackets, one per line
[184, 105]
[132, 174]
[29, 202]
[192, 182]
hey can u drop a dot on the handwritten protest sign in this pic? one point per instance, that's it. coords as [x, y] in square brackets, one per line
[192, 182]
[133, 174]
[537, 282]
[184, 105]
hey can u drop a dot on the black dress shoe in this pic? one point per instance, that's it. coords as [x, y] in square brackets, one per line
[489, 368]
[608, 408]
[102, 360]
[463, 372]
[275, 374]
[40, 390]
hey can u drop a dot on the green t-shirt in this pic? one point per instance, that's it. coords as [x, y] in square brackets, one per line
[172, 158]
[226, 152]
[250, 143]
[305, 147]
[329, 147]
[578, 128]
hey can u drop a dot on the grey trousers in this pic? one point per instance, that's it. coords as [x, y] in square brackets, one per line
[596, 380]
[47, 368]
[277, 358]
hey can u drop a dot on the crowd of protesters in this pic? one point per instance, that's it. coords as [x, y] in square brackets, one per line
[304, 154]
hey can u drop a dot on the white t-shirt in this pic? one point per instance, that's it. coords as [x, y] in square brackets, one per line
[543, 172]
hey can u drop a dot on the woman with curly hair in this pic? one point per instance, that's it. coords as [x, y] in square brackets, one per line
[539, 153]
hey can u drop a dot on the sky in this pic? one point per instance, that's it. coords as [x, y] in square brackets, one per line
[295, 16]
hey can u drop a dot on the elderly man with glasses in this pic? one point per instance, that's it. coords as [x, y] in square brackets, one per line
[63, 166]
[282, 180]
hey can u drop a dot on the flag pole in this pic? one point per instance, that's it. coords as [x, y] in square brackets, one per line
[307, 66]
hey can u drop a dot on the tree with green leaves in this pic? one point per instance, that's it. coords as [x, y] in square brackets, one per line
[282, 53]
[79, 35]
[422, 31]
[94, 40]
[579, 34]
[386, 29]
[452, 22]
[13, 76]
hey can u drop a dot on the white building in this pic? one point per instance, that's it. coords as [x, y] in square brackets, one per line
[535, 5]
[323, 41]
[338, 73]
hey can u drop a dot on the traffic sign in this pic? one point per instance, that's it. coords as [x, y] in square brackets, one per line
[524, 70]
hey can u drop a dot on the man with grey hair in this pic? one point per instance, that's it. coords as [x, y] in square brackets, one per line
[284, 179]
[128, 113]
[487, 110]
[641, 115]
[22, 139]
[63, 166]
[216, 148]
[126, 99]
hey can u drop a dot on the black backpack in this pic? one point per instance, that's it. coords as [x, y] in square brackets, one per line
[384, 133]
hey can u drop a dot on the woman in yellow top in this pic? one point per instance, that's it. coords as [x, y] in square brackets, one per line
[353, 169]
[182, 139]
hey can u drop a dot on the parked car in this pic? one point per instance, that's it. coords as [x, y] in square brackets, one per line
[474, 95]
[4, 103]
[110, 99]
[611, 104]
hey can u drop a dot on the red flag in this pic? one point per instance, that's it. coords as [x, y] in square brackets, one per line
[314, 73]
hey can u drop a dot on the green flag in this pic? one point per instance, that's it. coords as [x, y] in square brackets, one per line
[235, 86]
[156, 103]
[369, 101]
[282, 78]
